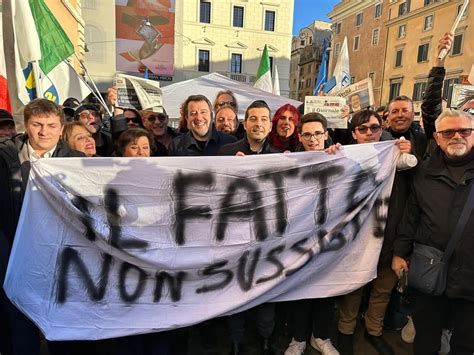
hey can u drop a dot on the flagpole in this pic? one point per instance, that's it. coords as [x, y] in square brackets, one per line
[37, 75]
[97, 95]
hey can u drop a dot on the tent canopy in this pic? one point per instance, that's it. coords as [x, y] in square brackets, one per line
[209, 85]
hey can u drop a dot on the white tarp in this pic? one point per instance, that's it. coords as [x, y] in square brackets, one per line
[209, 85]
[109, 247]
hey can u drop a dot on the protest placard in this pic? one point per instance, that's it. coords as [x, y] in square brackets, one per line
[331, 107]
[359, 95]
[110, 247]
[138, 93]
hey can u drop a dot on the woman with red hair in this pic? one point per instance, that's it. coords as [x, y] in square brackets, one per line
[284, 135]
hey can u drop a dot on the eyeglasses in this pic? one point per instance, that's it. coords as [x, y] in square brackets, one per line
[307, 135]
[223, 103]
[87, 114]
[450, 133]
[152, 118]
[373, 128]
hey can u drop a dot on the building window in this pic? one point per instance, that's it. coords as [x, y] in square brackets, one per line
[402, 31]
[238, 20]
[308, 83]
[356, 43]
[378, 10]
[353, 79]
[394, 89]
[337, 27]
[423, 50]
[236, 63]
[203, 60]
[428, 24]
[270, 21]
[375, 36]
[448, 89]
[429, 2]
[457, 44]
[403, 9]
[359, 17]
[205, 12]
[337, 49]
[302, 42]
[398, 58]
[271, 64]
[418, 90]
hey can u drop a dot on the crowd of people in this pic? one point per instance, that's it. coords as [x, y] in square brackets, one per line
[434, 175]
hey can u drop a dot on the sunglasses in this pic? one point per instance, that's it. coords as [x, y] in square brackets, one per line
[152, 118]
[450, 133]
[133, 119]
[307, 135]
[373, 128]
[223, 103]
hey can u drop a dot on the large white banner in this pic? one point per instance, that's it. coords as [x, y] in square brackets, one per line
[110, 247]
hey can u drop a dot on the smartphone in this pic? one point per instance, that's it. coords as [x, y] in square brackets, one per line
[402, 281]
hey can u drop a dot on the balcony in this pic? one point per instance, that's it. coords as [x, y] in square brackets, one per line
[242, 78]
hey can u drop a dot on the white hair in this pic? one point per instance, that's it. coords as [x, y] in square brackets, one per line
[453, 113]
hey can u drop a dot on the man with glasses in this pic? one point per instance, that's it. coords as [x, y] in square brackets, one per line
[157, 124]
[441, 186]
[312, 319]
[313, 132]
[202, 138]
[89, 115]
[366, 127]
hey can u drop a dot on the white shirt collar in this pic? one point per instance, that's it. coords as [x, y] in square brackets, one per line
[35, 156]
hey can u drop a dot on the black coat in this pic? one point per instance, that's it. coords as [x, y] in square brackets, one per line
[186, 145]
[431, 215]
[244, 147]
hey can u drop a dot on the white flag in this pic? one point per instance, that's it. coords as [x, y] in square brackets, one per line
[341, 71]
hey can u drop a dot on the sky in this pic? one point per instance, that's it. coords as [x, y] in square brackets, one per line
[306, 11]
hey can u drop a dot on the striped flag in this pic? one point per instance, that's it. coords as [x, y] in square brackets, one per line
[264, 76]
[4, 99]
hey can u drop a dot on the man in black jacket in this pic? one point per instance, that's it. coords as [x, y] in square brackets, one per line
[440, 189]
[201, 138]
[44, 121]
[257, 125]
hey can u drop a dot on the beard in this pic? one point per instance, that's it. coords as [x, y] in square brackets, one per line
[458, 150]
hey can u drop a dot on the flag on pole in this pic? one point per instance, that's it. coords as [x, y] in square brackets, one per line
[40, 40]
[322, 75]
[342, 75]
[276, 81]
[264, 76]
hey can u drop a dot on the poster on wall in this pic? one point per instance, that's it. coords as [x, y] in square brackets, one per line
[145, 36]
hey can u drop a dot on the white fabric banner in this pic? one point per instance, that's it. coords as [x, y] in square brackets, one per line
[109, 247]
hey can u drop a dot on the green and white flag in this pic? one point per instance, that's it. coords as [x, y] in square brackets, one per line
[41, 46]
[264, 76]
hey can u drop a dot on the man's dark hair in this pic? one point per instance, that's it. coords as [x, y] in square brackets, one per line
[131, 136]
[362, 117]
[43, 107]
[196, 98]
[313, 117]
[257, 104]
[402, 98]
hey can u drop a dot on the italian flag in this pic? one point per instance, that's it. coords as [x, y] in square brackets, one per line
[40, 47]
[264, 76]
